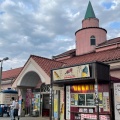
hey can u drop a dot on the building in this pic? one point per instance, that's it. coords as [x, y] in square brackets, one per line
[91, 45]
[8, 77]
[33, 81]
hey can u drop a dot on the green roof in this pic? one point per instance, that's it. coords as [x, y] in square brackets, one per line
[89, 13]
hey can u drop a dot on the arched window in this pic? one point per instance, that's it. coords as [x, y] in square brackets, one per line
[92, 40]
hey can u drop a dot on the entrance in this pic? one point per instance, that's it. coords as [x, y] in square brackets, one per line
[44, 100]
[45, 107]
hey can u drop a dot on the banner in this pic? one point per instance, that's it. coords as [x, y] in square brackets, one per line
[117, 100]
[71, 72]
[67, 102]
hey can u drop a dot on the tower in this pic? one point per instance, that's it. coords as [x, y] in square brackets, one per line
[90, 35]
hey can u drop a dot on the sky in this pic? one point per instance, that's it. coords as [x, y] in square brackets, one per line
[47, 27]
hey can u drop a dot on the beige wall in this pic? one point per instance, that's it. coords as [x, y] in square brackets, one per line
[115, 69]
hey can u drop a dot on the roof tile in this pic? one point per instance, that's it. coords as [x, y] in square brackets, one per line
[103, 56]
[109, 42]
[11, 74]
[47, 64]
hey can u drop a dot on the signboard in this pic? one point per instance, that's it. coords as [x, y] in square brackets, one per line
[68, 102]
[106, 103]
[74, 99]
[50, 96]
[62, 104]
[96, 95]
[117, 100]
[56, 108]
[71, 72]
[5, 98]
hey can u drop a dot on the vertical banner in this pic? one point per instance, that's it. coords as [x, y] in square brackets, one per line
[100, 99]
[62, 104]
[96, 95]
[106, 103]
[56, 104]
[55, 107]
[68, 102]
[117, 100]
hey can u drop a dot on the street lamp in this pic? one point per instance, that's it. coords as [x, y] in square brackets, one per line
[4, 59]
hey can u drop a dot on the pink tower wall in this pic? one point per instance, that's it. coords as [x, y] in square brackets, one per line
[83, 40]
[83, 36]
[90, 22]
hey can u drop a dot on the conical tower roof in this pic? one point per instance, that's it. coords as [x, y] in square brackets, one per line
[90, 12]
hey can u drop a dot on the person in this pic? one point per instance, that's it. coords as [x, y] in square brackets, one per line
[12, 106]
[16, 108]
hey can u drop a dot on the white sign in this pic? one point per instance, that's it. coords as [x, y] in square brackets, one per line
[67, 102]
[96, 94]
[5, 98]
[80, 71]
[117, 100]
[106, 102]
[50, 96]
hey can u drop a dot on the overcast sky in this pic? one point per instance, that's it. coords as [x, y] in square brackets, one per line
[47, 27]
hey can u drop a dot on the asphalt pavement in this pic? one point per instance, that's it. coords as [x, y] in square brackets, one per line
[26, 118]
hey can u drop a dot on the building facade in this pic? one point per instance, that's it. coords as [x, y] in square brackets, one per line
[34, 78]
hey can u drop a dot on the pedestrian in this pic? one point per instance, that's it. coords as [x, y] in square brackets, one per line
[12, 106]
[16, 108]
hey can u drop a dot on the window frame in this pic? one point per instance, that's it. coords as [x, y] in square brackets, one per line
[92, 40]
[71, 101]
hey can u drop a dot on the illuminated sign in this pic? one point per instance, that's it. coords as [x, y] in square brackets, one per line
[82, 88]
[71, 72]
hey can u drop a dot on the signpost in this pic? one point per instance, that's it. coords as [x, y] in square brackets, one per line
[96, 93]
[50, 102]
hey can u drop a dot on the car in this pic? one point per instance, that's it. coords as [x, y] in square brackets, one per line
[5, 100]
[4, 109]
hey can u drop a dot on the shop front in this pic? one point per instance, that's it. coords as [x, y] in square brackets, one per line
[35, 101]
[86, 92]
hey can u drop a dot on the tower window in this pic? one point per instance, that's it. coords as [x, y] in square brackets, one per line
[92, 40]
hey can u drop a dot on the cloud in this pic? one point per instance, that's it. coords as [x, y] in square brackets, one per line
[47, 28]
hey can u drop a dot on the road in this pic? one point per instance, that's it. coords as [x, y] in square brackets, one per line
[25, 118]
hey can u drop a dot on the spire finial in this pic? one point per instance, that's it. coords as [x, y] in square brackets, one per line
[90, 12]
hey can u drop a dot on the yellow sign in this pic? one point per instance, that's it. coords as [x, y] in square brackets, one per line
[55, 105]
[100, 99]
[71, 72]
[78, 88]
[76, 96]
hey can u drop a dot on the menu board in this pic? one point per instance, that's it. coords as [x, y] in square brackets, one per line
[81, 99]
[106, 105]
[89, 99]
[74, 99]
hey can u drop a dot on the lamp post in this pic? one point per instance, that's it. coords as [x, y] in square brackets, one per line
[1, 61]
